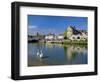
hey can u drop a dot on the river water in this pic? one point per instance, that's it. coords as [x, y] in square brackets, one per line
[47, 54]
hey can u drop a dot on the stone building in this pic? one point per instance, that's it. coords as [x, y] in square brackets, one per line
[60, 37]
[74, 34]
[49, 37]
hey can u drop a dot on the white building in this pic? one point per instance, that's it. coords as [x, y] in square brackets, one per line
[78, 37]
[74, 34]
[50, 37]
[60, 37]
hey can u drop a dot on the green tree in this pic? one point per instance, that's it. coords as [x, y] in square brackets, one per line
[38, 34]
[65, 34]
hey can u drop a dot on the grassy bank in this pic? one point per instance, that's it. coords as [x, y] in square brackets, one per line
[81, 42]
[75, 42]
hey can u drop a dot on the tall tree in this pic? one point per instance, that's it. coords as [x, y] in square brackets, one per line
[65, 33]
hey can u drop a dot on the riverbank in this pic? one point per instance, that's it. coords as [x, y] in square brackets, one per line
[80, 42]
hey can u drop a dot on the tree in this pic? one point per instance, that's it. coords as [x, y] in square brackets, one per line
[38, 34]
[65, 34]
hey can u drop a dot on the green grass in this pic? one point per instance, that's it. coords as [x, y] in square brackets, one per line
[75, 42]
[81, 42]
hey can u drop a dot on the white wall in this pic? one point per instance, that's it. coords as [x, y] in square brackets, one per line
[5, 41]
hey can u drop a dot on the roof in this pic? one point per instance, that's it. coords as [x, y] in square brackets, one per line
[75, 31]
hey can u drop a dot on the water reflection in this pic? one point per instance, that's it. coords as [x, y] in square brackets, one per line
[56, 54]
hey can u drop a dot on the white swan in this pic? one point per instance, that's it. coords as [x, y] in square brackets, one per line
[40, 54]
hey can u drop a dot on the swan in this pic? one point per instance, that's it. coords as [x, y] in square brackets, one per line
[38, 53]
[41, 54]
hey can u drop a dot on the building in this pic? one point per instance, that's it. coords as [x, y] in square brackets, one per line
[50, 37]
[74, 34]
[71, 33]
[60, 37]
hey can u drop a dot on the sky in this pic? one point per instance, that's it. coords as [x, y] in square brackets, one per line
[54, 24]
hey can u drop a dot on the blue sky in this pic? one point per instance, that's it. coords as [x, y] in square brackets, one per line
[54, 24]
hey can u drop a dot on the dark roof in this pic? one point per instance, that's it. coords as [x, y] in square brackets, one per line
[74, 30]
[83, 31]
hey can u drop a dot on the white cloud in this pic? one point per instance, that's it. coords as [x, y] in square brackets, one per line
[33, 27]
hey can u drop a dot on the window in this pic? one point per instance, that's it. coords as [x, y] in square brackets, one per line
[73, 37]
[78, 37]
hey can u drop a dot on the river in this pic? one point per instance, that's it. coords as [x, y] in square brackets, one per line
[49, 54]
